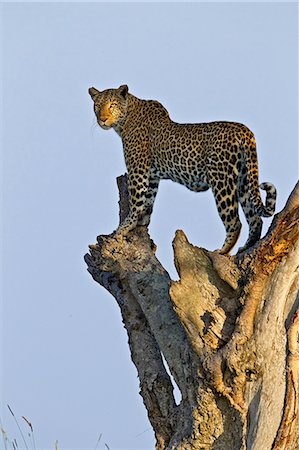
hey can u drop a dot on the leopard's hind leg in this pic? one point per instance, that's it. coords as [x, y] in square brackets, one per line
[225, 193]
[253, 219]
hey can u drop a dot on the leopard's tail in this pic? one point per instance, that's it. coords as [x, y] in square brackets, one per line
[269, 208]
[251, 169]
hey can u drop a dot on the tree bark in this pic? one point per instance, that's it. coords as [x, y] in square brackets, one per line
[228, 330]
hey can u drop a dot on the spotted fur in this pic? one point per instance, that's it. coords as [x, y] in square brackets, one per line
[217, 155]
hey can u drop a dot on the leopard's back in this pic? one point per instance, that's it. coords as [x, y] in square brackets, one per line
[207, 152]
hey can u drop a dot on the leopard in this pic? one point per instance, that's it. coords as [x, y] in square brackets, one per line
[219, 155]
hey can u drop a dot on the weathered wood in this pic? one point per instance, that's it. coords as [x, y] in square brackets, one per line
[227, 329]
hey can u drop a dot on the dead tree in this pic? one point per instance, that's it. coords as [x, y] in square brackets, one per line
[228, 329]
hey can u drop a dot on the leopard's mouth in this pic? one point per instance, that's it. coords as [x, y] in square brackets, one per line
[104, 124]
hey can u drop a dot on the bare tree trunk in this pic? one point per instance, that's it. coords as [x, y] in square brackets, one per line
[228, 329]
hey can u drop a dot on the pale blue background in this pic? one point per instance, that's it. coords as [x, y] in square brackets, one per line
[66, 364]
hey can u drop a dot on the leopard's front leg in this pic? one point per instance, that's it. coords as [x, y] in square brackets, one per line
[150, 196]
[137, 192]
[138, 165]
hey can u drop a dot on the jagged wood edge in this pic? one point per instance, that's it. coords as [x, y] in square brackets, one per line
[278, 231]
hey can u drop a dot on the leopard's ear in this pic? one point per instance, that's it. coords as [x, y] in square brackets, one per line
[123, 90]
[93, 92]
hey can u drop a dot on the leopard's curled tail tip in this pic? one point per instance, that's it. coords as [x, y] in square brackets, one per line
[270, 199]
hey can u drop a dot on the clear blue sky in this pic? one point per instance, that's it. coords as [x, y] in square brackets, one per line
[65, 363]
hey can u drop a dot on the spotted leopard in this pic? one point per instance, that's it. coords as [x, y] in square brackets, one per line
[217, 155]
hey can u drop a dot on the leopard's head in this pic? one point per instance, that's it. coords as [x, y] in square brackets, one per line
[110, 106]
